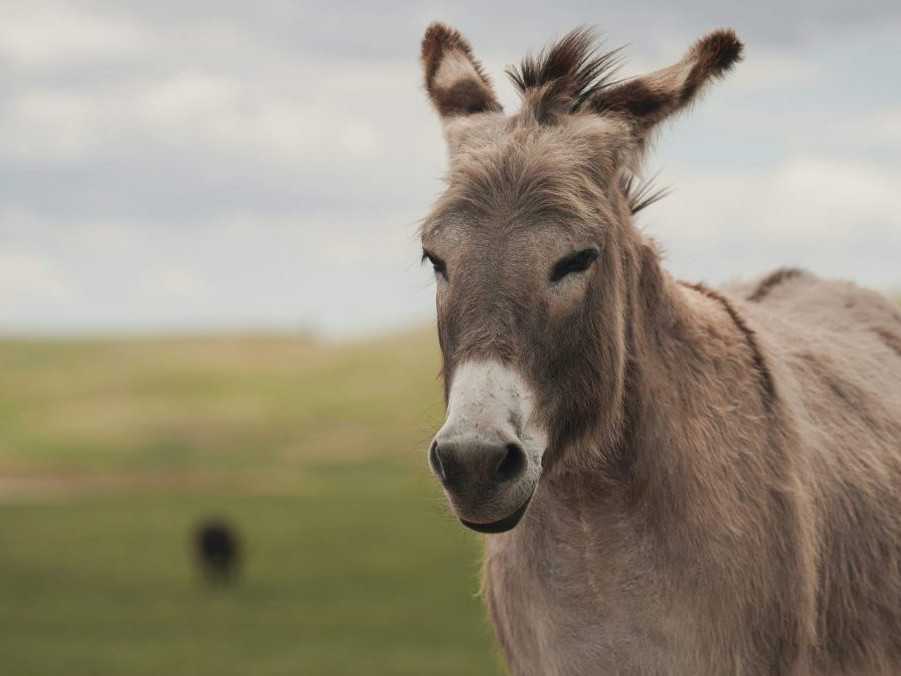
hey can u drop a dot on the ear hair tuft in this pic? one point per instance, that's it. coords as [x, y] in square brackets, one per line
[641, 194]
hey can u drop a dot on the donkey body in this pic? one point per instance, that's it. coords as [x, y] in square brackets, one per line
[677, 480]
[758, 530]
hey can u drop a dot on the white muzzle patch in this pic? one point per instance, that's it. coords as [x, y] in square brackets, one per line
[490, 398]
[488, 453]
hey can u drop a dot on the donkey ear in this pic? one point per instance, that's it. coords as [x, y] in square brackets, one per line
[454, 79]
[646, 101]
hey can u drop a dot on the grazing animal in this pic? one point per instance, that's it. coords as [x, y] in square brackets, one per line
[218, 551]
[676, 479]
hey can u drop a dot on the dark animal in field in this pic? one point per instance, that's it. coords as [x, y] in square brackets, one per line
[676, 479]
[217, 550]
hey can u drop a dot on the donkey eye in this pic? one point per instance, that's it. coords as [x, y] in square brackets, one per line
[574, 263]
[437, 264]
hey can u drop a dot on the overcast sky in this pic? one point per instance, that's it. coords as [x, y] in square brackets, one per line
[178, 166]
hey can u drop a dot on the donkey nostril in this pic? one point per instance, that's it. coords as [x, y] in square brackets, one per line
[435, 462]
[512, 464]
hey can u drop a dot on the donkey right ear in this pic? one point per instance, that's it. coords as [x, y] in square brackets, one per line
[646, 101]
[454, 79]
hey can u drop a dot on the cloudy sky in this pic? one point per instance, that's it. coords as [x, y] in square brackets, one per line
[180, 166]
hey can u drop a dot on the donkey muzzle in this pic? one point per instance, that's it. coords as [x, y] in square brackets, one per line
[486, 455]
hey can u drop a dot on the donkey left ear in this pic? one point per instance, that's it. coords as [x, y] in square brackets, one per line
[646, 101]
[454, 79]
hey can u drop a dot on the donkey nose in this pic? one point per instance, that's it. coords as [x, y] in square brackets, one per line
[467, 461]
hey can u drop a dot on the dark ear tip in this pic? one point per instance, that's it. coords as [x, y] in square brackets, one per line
[471, 92]
[439, 37]
[721, 49]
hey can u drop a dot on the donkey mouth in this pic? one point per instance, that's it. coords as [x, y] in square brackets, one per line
[502, 525]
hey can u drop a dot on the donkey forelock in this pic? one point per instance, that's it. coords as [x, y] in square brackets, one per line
[565, 75]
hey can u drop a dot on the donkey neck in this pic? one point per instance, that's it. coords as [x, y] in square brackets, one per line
[692, 360]
[696, 381]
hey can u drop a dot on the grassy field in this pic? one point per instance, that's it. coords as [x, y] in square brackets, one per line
[110, 451]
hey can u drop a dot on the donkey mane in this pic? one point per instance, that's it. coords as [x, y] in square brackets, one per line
[758, 361]
[566, 74]
[771, 281]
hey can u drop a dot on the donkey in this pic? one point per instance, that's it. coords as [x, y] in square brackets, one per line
[675, 479]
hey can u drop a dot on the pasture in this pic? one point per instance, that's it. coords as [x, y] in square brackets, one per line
[111, 450]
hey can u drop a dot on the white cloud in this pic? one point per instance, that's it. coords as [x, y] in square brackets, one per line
[766, 72]
[884, 125]
[176, 284]
[48, 34]
[28, 278]
[200, 112]
[50, 126]
[802, 198]
[839, 219]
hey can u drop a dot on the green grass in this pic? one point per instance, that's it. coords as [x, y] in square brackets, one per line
[316, 453]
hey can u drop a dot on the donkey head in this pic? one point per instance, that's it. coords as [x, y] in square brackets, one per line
[534, 252]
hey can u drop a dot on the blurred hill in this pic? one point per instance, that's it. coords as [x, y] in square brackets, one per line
[245, 410]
